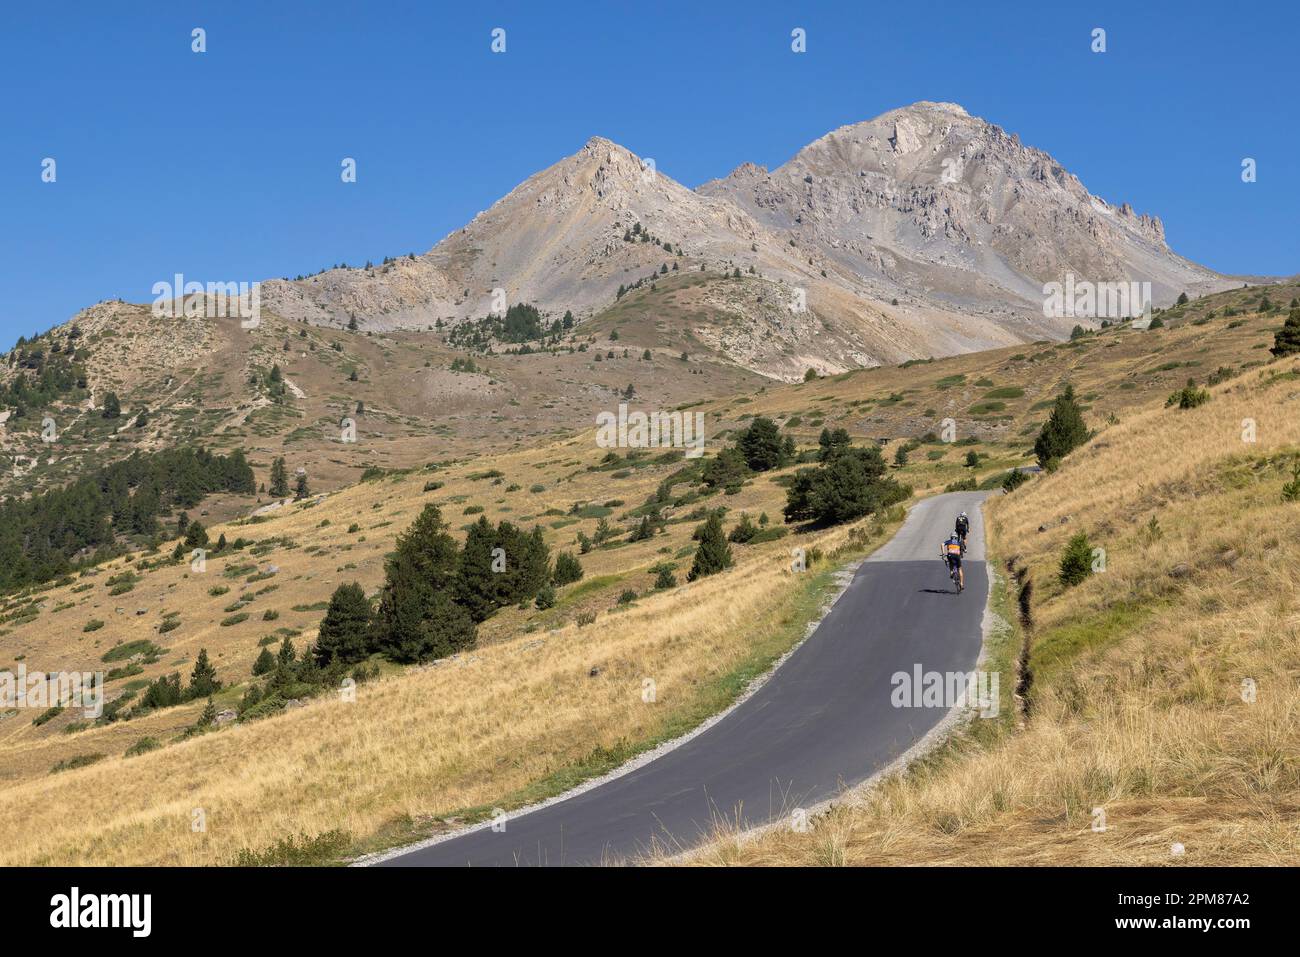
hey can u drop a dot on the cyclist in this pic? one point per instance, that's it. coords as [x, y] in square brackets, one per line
[963, 529]
[951, 554]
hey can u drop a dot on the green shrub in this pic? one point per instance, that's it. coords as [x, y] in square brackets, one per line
[49, 714]
[1291, 490]
[300, 851]
[567, 569]
[1015, 478]
[76, 761]
[744, 531]
[1188, 397]
[129, 649]
[143, 746]
[1076, 560]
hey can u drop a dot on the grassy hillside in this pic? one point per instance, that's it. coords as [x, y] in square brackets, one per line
[208, 381]
[1138, 692]
[545, 700]
[551, 695]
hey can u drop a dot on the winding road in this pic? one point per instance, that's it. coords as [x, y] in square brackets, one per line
[823, 722]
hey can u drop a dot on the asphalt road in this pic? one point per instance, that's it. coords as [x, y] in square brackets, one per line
[823, 722]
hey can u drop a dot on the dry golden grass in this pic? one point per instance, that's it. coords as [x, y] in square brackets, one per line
[1137, 702]
[417, 745]
[324, 556]
[515, 723]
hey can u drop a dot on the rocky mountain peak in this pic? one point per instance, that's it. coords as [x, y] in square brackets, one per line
[926, 229]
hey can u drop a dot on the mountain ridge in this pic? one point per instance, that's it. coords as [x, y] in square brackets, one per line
[936, 218]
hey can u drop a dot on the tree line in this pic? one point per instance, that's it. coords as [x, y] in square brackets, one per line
[49, 534]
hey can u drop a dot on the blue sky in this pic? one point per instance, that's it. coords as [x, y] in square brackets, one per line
[225, 165]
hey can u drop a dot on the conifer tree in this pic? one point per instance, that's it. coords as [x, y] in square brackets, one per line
[417, 619]
[286, 656]
[196, 536]
[345, 630]
[713, 554]
[478, 586]
[279, 487]
[265, 662]
[203, 680]
[761, 445]
[567, 569]
[1063, 432]
[1286, 341]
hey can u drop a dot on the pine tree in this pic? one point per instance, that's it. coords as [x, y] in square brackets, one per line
[279, 479]
[535, 568]
[849, 484]
[417, 619]
[112, 407]
[832, 441]
[713, 554]
[203, 680]
[1063, 432]
[567, 569]
[196, 536]
[265, 662]
[301, 490]
[1076, 562]
[286, 656]
[761, 445]
[345, 630]
[478, 587]
[1286, 341]
[163, 692]
[728, 468]
[208, 715]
